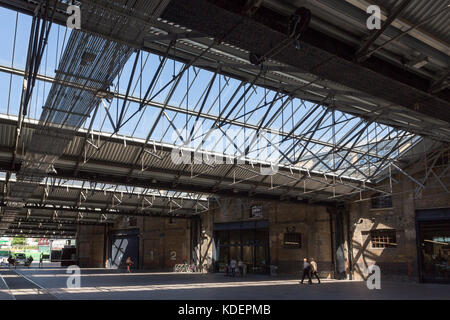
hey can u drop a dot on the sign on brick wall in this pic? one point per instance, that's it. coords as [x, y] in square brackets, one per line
[256, 212]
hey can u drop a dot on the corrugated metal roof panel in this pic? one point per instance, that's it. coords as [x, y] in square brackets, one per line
[419, 10]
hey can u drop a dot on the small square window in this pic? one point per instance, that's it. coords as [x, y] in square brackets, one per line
[383, 238]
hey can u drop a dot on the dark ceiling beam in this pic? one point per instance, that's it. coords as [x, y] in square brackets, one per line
[38, 234]
[119, 212]
[361, 54]
[23, 226]
[64, 220]
[86, 174]
[145, 182]
[50, 199]
[174, 36]
[441, 83]
[320, 55]
[168, 149]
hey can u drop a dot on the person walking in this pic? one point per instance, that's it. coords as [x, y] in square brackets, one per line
[241, 268]
[314, 269]
[129, 263]
[306, 271]
[41, 260]
[233, 267]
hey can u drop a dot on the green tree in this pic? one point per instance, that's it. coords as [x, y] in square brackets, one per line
[18, 241]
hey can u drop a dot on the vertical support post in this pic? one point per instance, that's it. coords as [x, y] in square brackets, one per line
[339, 243]
[419, 251]
[333, 265]
[105, 247]
[349, 245]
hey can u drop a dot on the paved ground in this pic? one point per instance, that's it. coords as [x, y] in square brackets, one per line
[50, 282]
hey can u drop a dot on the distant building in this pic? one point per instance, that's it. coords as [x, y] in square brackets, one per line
[31, 242]
[5, 242]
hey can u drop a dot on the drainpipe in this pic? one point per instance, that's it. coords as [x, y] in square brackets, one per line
[105, 248]
[333, 265]
[200, 244]
[349, 246]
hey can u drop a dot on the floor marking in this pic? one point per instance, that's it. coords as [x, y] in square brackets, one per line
[44, 290]
[7, 288]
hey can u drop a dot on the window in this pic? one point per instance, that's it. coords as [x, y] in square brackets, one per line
[383, 238]
[380, 201]
[292, 240]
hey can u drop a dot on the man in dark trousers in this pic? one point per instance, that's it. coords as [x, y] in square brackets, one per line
[306, 271]
[314, 269]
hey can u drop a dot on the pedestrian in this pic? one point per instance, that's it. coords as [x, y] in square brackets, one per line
[306, 271]
[314, 269]
[241, 268]
[233, 267]
[41, 260]
[227, 270]
[129, 263]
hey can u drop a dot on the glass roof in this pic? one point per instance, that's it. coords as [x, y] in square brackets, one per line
[174, 103]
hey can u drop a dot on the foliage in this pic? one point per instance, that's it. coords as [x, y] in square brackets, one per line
[18, 241]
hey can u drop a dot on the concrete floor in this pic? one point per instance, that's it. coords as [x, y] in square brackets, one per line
[50, 283]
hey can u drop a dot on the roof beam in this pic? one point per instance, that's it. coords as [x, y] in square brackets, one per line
[441, 83]
[361, 54]
[320, 55]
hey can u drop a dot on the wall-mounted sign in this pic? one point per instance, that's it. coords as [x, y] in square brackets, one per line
[256, 212]
[173, 255]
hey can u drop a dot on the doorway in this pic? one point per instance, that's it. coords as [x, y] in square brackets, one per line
[433, 233]
[246, 242]
[123, 244]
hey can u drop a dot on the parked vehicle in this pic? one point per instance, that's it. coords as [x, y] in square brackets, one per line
[20, 258]
[4, 255]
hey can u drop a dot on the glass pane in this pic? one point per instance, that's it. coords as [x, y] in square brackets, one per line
[435, 249]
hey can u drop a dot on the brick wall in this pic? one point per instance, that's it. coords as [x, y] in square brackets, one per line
[164, 244]
[312, 221]
[90, 246]
[400, 263]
